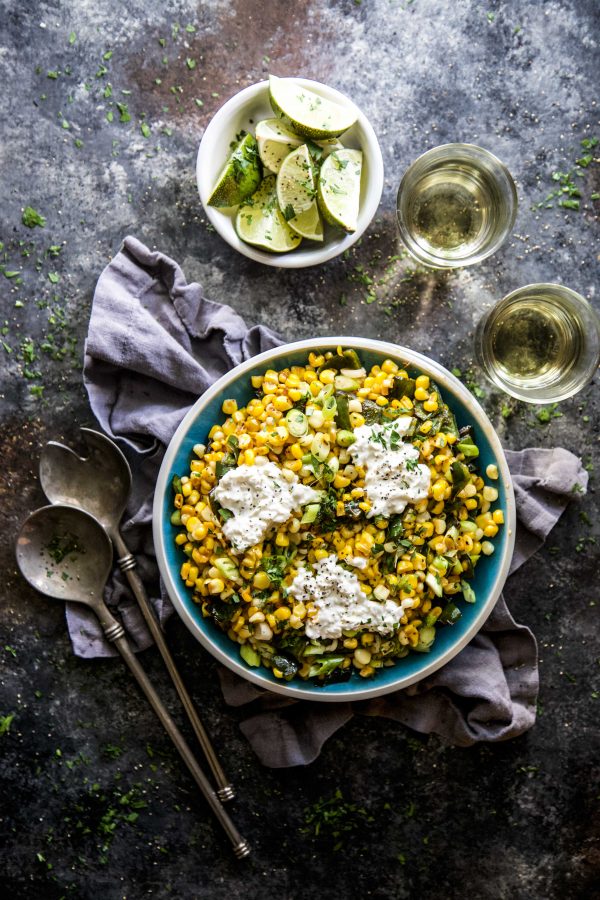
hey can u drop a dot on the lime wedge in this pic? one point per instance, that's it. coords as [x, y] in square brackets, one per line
[309, 223]
[339, 188]
[296, 183]
[275, 141]
[260, 221]
[240, 176]
[308, 113]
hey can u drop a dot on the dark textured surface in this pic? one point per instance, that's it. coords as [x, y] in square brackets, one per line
[93, 802]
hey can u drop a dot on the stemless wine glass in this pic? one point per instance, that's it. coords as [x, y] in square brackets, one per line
[540, 343]
[456, 205]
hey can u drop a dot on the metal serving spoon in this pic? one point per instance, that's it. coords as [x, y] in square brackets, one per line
[100, 484]
[66, 554]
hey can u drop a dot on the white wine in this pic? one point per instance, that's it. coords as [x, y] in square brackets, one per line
[536, 341]
[456, 205]
[450, 211]
[541, 343]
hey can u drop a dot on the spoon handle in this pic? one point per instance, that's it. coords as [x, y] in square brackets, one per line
[240, 846]
[127, 563]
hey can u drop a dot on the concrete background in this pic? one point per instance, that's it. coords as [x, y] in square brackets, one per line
[93, 801]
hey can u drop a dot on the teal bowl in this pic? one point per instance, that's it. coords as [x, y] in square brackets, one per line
[490, 573]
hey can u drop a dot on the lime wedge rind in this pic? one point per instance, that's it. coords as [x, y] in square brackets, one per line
[240, 176]
[307, 112]
[338, 193]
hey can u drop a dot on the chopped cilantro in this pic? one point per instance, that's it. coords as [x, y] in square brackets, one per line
[31, 218]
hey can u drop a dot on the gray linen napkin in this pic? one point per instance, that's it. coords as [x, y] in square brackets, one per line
[154, 345]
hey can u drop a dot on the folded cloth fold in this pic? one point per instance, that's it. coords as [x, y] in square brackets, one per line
[154, 344]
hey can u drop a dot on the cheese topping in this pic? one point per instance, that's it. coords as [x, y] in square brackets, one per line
[259, 498]
[393, 475]
[341, 603]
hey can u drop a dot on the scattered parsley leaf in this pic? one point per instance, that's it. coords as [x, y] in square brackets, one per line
[31, 218]
[5, 723]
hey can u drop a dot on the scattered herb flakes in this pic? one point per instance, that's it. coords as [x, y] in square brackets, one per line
[198, 102]
[102, 71]
[53, 74]
[53, 277]
[124, 114]
[110, 115]
[31, 218]
[108, 91]
[72, 37]
[490, 16]
[113, 751]
[332, 818]
[162, 42]
[78, 143]
[567, 194]
[546, 413]
[145, 129]
[5, 723]
[190, 62]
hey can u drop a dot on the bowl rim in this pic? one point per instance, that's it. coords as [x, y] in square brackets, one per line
[291, 259]
[412, 357]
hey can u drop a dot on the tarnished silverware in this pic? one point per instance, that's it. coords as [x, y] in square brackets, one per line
[66, 554]
[100, 484]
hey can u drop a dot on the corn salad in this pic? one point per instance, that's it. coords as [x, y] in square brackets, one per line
[303, 420]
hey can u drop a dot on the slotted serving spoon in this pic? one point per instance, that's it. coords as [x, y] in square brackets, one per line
[100, 484]
[66, 554]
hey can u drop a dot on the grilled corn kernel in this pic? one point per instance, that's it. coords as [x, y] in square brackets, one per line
[498, 517]
[426, 426]
[215, 585]
[421, 394]
[492, 471]
[261, 581]
[229, 407]
[490, 494]
[422, 381]
[439, 488]
[200, 532]
[487, 548]
[282, 540]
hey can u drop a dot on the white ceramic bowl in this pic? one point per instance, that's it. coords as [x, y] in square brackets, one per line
[242, 112]
[490, 573]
